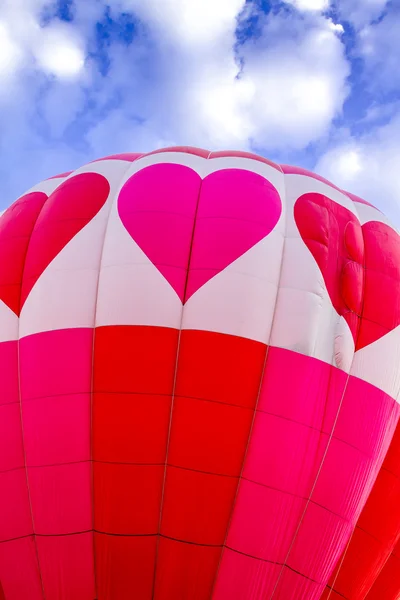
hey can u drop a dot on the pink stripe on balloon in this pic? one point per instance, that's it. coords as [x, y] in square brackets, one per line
[281, 468]
[14, 505]
[57, 429]
[55, 363]
[61, 498]
[11, 447]
[19, 571]
[67, 566]
[9, 391]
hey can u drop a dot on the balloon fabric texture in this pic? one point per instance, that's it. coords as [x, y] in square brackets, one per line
[199, 375]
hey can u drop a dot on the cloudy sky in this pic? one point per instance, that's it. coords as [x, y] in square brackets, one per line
[314, 83]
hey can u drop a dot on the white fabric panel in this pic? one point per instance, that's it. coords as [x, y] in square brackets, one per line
[65, 294]
[274, 292]
[241, 299]
[9, 322]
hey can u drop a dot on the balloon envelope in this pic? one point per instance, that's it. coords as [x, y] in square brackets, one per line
[198, 385]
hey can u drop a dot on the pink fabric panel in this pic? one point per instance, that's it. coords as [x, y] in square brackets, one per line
[55, 374]
[272, 521]
[292, 170]
[185, 149]
[318, 545]
[61, 498]
[304, 588]
[241, 154]
[57, 429]
[11, 448]
[360, 200]
[19, 572]
[14, 505]
[65, 174]
[9, 372]
[128, 156]
[364, 417]
[264, 521]
[274, 459]
[67, 566]
[244, 577]
[55, 363]
[292, 385]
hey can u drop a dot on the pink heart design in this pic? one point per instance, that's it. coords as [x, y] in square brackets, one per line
[192, 229]
[16, 226]
[36, 228]
[360, 265]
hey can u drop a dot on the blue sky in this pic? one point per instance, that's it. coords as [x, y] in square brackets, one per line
[310, 82]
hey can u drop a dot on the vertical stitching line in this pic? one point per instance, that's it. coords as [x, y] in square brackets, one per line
[91, 461]
[224, 546]
[351, 537]
[26, 471]
[173, 389]
[322, 460]
[20, 400]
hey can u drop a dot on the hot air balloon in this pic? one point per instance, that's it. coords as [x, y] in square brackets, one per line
[199, 373]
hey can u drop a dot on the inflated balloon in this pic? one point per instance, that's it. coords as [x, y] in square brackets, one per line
[199, 373]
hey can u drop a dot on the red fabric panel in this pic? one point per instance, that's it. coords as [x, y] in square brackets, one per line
[124, 566]
[217, 387]
[133, 379]
[387, 585]
[219, 368]
[127, 498]
[130, 428]
[194, 579]
[377, 531]
[209, 436]
[134, 360]
[197, 506]
[67, 566]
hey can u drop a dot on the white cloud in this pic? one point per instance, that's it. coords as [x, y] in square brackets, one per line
[299, 82]
[379, 46]
[191, 23]
[336, 27]
[290, 87]
[369, 166]
[55, 49]
[309, 5]
[10, 54]
[361, 12]
[180, 81]
[58, 53]
[60, 106]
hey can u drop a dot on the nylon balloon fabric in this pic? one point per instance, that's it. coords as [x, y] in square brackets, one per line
[198, 385]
